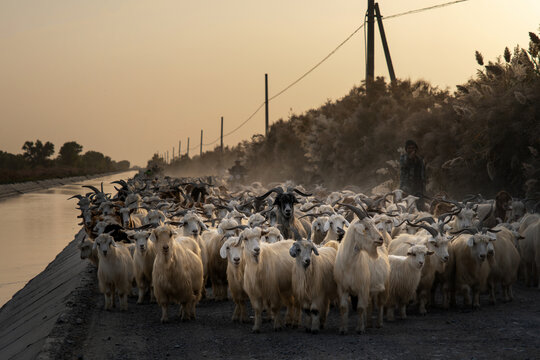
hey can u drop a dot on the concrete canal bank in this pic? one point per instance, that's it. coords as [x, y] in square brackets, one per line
[7, 190]
[31, 322]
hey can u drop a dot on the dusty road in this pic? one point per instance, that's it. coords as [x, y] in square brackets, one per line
[501, 331]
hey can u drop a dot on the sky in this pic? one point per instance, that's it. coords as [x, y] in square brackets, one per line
[130, 78]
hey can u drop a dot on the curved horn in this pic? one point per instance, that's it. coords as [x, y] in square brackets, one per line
[470, 231]
[276, 189]
[310, 215]
[297, 235]
[93, 188]
[78, 196]
[311, 208]
[300, 193]
[431, 230]
[442, 218]
[429, 219]
[359, 212]
[144, 227]
[241, 227]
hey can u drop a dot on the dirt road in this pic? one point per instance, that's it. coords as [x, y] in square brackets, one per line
[501, 331]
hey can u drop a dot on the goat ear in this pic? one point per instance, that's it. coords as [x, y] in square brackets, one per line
[220, 231]
[223, 249]
[281, 237]
[314, 249]
[293, 251]
[347, 223]
[470, 241]
[152, 237]
[491, 236]
[429, 252]
[113, 243]
[409, 253]
[326, 226]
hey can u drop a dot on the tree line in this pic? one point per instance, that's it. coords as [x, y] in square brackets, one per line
[482, 137]
[36, 162]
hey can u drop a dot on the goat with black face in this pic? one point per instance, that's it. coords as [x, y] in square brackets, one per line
[286, 221]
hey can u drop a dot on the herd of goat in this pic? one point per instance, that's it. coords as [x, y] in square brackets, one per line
[286, 248]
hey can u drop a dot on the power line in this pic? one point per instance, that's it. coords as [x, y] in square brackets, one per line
[323, 60]
[424, 9]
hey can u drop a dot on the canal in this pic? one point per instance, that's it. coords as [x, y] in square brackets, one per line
[35, 227]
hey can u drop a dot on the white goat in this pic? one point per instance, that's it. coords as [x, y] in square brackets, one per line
[217, 266]
[115, 271]
[177, 274]
[351, 270]
[405, 272]
[143, 261]
[468, 267]
[433, 264]
[503, 259]
[334, 228]
[271, 235]
[232, 250]
[268, 276]
[313, 281]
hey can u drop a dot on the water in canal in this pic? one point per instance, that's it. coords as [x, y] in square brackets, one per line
[35, 227]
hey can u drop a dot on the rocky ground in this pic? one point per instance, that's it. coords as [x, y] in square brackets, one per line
[501, 331]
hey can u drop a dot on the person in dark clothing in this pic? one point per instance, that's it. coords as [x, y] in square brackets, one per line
[238, 172]
[412, 177]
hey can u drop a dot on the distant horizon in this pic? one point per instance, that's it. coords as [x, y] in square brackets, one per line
[130, 79]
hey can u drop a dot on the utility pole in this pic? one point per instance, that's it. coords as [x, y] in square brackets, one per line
[222, 135]
[266, 104]
[180, 149]
[200, 154]
[173, 153]
[187, 153]
[370, 63]
[385, 45]
[167, 161]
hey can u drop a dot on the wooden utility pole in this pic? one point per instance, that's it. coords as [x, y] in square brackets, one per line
[187, 151]
[180, 149]
[167, 161]
[222, 134]
[370, 63]
[173, 153]
[384, 44]
[266, 104]
[200, 154]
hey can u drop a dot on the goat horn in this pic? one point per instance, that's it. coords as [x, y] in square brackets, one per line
[144, 227]
[301, 193]
[442, 218]
[471, 231]
[429, 219]
[361, 213]
[431, 230]
[276, 189]
[312, 215]
[296, 234]
[95, 189]
[78, 196]
[311, 208]
[241, 227]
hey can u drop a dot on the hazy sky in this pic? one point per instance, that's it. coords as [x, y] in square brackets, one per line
[130, 78]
